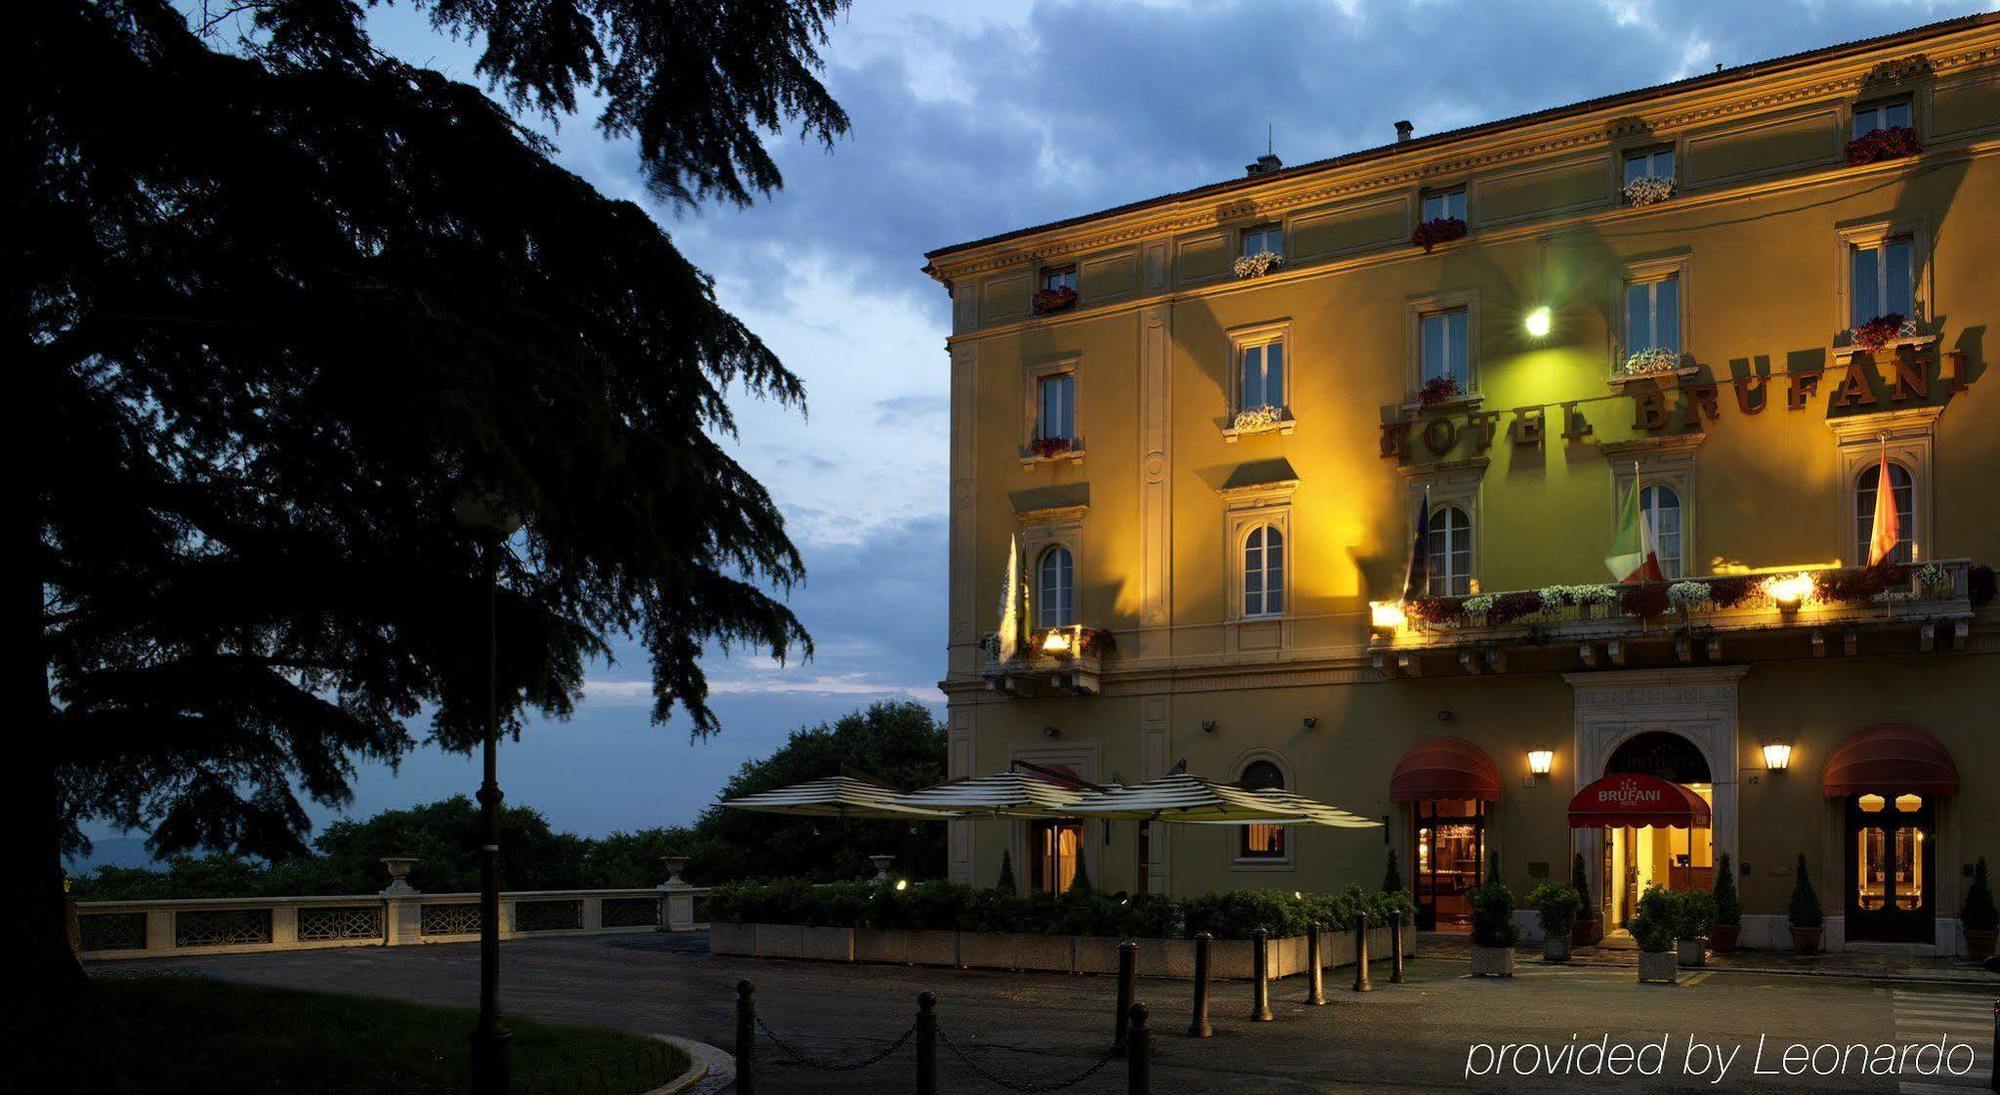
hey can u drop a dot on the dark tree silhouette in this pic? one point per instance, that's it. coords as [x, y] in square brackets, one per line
[278, 303]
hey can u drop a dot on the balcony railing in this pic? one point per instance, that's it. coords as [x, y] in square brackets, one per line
[1831, 608]
[1067, 659]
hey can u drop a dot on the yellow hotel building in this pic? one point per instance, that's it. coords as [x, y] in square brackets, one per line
[1193, 437]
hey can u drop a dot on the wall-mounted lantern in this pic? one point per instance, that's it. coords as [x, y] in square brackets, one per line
[1541, 761]
[1777, 756]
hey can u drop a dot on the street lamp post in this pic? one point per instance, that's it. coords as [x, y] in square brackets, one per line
[492, 1042]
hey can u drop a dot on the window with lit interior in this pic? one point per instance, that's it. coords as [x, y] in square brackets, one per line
[1261, 841]
[1055, 589]
[1059, 277]
[1264, 572]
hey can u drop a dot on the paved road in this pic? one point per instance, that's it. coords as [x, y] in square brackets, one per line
[1038, 1027]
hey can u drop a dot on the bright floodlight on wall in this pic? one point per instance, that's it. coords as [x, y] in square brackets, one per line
[1777, 756]
[1539, 321]
[1540, 761]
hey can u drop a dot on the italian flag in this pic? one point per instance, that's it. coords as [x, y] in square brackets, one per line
[1635, 555]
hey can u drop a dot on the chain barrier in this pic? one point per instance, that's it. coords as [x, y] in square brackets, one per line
[827, 1066]
[1012, 1085]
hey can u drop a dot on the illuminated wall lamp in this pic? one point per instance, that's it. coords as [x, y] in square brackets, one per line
[1777, 756]
[1540, 761]
[1386, 617]
[1789, 593]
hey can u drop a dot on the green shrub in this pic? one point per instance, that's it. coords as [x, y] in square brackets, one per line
[1694, 914]
[1653, 923]
[1392, 875]
[1805, 911]
[1728, 907]
[1581, 881]
[1558, 904]
[1493, 914]
[1005, 883]
[1977, 912]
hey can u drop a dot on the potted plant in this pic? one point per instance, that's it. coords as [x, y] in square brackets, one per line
[1438, 390]
[1808, 920]
[1978, 916]
[1437, 230]
[1046, 301]
[1694, 917]
[1494, 932]
[1589, 930]
[1728, 909]
[1653, 928]
[1876, 145]
[1558, 903]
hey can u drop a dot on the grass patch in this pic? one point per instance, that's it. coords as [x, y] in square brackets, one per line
[188, 1034]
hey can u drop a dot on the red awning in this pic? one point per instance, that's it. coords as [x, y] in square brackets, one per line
[1626, 799]
[1445, 768]
[1890, 757]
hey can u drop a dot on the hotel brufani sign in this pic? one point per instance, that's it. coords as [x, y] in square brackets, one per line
[1657, 407]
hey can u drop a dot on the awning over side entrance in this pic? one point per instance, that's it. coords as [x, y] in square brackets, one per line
[1890, 756]
[1445, 768]
[1630, 799]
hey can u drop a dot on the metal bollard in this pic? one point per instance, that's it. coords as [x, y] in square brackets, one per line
[1396, 944]
[1361, 980]
[1199, 1028]
[927, 1071]
[1260, 976]
[1139, 1061]
[746, 1039]
[1128, 979]
[1316, 987]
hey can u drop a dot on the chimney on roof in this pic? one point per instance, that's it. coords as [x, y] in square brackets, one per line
[1403, 130]
[1265, 165]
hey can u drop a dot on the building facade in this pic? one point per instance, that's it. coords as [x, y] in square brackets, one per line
[1195, 438]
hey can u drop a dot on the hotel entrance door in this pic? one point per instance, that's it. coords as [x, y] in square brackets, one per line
[1890, 838]
[1451, 851]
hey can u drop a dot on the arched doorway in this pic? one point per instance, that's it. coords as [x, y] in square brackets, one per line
[1636, 857]
[1448, 786]
[1889, 779]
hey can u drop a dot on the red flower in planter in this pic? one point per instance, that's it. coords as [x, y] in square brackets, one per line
[1053, 300]
[1647, 601]
[1437, 611]
[1876, 333]
[1734, 591]
[1508, 607]
[1051, 446]
[1433, 232]
[1875, 145]
[1436, 390]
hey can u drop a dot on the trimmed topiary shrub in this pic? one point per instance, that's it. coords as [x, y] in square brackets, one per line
[1558, 903]
[1728, 908]
[1005, 883]
[1493, 912]
[1392, 875]
[1653, 923]
[1805, 910]
[1977, 912]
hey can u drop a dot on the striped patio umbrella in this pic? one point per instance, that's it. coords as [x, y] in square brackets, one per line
[1322, 813]
[1003, 794]
[1182, 797]
[834, 796]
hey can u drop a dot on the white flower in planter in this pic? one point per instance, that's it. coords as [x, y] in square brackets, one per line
[1648, 190]
[1655, 360]
[1478, 604]
[1261, 417]
[1689, 596]
[1934, 581]
[1259, 264]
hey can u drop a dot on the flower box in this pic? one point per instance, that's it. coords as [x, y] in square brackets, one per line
[780, 940]
[1437, 230]
[933, 948]
[1653, 361]
[1876, 145]
[827, 944]
[1046, 301]
[1493, 961]
[1257, 265]
[882, 945]
[1649, 190]
[732, 939]
[1882, 330]
[1555, 948]
[1659, 968]
[1437, 391]
[1049, 448]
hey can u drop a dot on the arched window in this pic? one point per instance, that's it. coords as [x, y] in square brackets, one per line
[1264, 572]
[1055, 589]
[1450, 552]
[1662, 508]
[1261, 841]
[1867, 489]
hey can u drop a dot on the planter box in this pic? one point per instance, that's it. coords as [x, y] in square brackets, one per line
[933, 948]
[1096, 954]
[1555, 948]
[1723, 937]
[827, 944]
[1691, 952]
[1039, 952]
[1166, 958]
[1658, 968]
[731, 939]
[989, 950]
[1493, 961]
[779, 940]
[882, 945]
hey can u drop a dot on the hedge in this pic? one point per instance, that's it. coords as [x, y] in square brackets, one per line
[944, 906]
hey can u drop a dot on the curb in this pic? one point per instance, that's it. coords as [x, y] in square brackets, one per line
[708, 1066]
[1851, 975]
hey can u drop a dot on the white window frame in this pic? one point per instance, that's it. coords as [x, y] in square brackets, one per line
[1860, 534]
[1262, 233]
[1444, 195]
[1416, 308]
[1065, 384]
[1044, 618]
[1455, 484]
[1031, 408]
[1879, 107]
[1059, 277]
[1673, 567]
[1648, 153]
[1439, 523]
[1263, 610]
[1667, 460]
[1875, 234]
[1679, 267]
[1245, 508]
[1277, 333]
[1234, 858]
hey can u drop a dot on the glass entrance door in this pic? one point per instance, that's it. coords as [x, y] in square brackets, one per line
[1451, 847]
[1890, 840]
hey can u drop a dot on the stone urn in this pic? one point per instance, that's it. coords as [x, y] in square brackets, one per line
[1806, 940]
[399, 875]
[1658, 967]
[675, 865]
[1692, 952]
[882, 864]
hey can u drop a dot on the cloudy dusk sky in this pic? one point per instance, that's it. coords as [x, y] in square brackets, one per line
[971, 118]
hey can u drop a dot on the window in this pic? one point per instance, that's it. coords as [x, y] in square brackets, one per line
[1883, 114]
[1444, 203]
[1264, 572]
[1055, 589]
[1055, 414]
[1450, 552]
[1653, 315]
[1881, 279]
[1651, 163]
[1264, 237]
[1261, 841]
[1867, 492]
[1662, 510]
[1444, 341]
[1055, 848]
[1261, 375]
[1059, 277]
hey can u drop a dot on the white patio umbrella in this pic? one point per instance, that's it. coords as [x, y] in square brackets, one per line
[1182, 797]
[834, 796]
[1322, 813]
[1002, 794]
